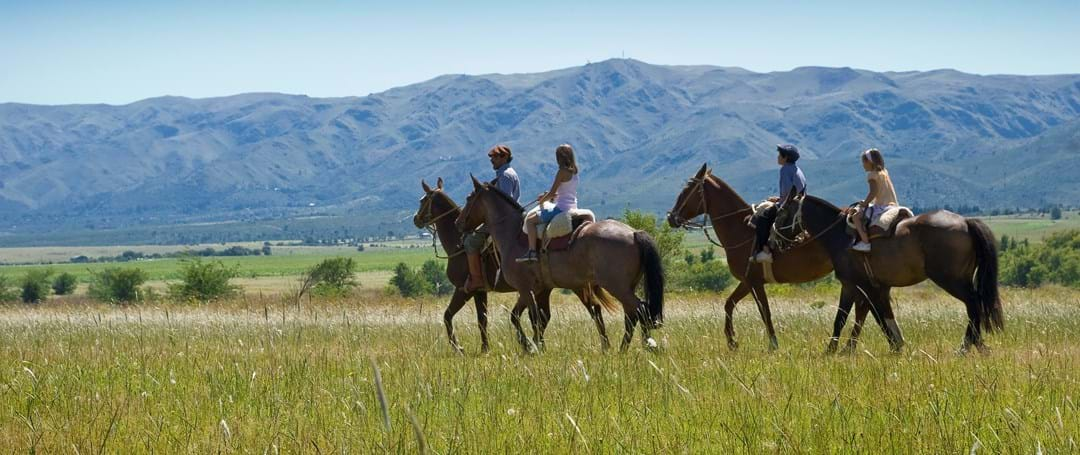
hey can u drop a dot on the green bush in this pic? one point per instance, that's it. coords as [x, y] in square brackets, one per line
[36, 285]
[408, 282]
[701, 276]
[204, 281]
[118, 285]
[434, 273]
[668, 239]
[7, 290]
[331, 277]
[1056, 260]
[64, 284]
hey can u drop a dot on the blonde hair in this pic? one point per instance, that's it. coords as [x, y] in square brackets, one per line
[564, 155]
[874, 156]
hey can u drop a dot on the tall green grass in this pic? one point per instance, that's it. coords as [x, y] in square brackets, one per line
[254, 375]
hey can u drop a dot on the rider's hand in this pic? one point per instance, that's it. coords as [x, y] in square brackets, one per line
[774, 199]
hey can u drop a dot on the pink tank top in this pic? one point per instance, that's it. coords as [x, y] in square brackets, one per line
[566, 195]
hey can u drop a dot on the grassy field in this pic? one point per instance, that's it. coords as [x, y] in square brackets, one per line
[253, 375]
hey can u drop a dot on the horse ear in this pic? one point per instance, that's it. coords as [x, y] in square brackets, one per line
[438, 184]
[701, 172]
[427, 189]
[476, 183]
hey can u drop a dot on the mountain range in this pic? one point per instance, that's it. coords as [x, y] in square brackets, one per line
[639, 131]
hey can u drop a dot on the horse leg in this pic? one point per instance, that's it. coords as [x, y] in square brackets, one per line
[456, 302]
[480, 300]
[525, 300]
[966, 293]
[632, 308]
[862, 307]
[543, 310]
[766, 315]
[882, 304]
[598, 318]
[848, 295]
[729, 307]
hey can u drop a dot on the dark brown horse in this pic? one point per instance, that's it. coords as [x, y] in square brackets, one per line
[438, 212]
[605, 256]
[956, 253]
[707, 194]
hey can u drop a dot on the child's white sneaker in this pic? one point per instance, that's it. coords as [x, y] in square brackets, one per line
[763, 256]
[862, 247]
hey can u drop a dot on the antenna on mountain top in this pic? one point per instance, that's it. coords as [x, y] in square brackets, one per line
[624, 53]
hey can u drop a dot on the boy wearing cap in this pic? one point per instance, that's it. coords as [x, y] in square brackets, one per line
[506, 180]
[792, 183]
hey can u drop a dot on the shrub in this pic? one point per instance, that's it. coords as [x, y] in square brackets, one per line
[408, 282]
[204, 281]
[7, 290]
[1056, 260]
[668, 239]
[118, 285]
[36, 285]
[64, 284]
[702, 276]
[434, 274]
[331, 277]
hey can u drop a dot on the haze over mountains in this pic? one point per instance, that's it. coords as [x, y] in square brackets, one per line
[640, 130]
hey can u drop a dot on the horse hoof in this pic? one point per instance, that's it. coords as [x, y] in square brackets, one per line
[651, 345]
[485, 349]
[733, 345]
[773, 345]
[831, 348]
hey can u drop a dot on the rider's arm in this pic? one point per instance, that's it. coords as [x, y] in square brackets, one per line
[562, 176]
[872, 194]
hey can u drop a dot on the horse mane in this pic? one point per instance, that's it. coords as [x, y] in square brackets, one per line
[820, 201]
[505, 197]
[723, 185]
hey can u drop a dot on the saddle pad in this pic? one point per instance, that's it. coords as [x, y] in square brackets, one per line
[562, 224]
[883, 217]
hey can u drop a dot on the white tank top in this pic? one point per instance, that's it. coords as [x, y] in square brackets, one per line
[566, 195]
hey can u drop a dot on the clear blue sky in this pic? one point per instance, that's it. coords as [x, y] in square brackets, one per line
[122, 51]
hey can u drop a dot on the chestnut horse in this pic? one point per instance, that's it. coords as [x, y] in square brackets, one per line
[605, 256]
[437, 212]
[706, 194]
[956, 253]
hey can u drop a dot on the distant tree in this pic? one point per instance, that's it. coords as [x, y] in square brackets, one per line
[205, 281]
[36, 285]
[408, 282]
[690, 258]
[434, 274]
[266, 249]
[7, 290]
[64, 284]
[707, 255]
[331, 277]
[1055, 213]
[117, 285]
[667, 238]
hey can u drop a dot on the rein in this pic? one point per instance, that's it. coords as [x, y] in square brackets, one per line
[425, 208]
[691, 224]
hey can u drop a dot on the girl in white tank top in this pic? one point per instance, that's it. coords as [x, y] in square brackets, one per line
[563, 191]
[880, 197]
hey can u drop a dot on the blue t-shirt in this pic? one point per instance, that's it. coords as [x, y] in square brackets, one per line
[506, 180]
[791, 177]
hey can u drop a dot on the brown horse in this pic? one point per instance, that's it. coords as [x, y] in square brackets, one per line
[709, 195]
[956, 253]
[605, 256]
[438, 212]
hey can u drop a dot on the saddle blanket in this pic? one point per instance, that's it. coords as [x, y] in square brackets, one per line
[562, 224]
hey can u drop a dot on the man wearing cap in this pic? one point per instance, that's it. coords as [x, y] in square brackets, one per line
[506, 180]
[792, 183]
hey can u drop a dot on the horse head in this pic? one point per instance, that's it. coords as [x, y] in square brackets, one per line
[691, 201]
[474, 213]
[427, 214]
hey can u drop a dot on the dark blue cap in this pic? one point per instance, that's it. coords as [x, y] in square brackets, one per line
[790, 152]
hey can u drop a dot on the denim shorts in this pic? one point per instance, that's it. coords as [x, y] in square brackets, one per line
[547, 215]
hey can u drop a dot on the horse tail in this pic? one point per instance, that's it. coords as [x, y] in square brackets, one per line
[986, 276]
[599, 295]
[654, 276]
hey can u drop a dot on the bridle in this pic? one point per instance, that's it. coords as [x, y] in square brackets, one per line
[698, 185]
[425, 208]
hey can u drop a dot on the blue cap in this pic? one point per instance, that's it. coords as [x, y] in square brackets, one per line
[790, 152]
